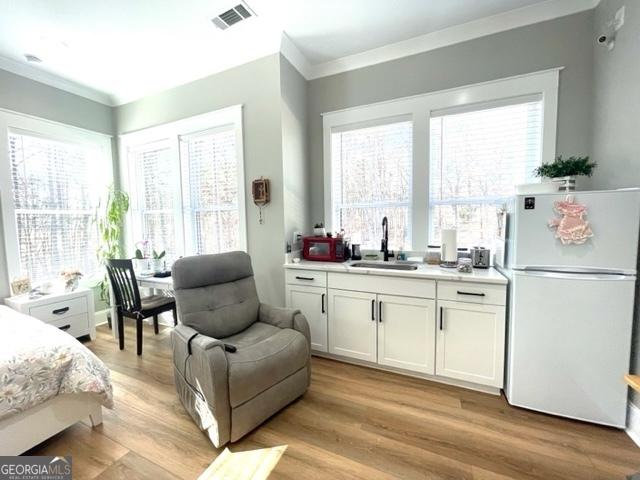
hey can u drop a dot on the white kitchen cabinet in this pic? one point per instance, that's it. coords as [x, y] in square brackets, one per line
[406, 333]
[311, 301]
[352, 324]
[470, 342]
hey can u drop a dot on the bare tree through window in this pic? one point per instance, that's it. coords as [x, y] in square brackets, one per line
[55, 193]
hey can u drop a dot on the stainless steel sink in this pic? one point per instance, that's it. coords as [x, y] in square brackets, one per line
[385, 266]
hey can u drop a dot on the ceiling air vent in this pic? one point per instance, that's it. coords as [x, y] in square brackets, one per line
[232, 16]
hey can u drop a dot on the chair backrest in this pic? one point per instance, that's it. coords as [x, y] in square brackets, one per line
[216, 294]
[124, 285]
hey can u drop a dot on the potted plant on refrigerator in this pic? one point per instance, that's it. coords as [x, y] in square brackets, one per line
[110, 222]
[565, 170]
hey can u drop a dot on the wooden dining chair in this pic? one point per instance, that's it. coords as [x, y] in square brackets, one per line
[131, 305]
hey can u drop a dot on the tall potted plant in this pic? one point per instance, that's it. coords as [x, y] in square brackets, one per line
[110, 221]
[565, 170]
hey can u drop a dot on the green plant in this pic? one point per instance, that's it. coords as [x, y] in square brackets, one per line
[158, 256]
[140, 246]
[566, 167]
[110, 221]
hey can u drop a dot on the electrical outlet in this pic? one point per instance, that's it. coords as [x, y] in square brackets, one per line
[618, 22]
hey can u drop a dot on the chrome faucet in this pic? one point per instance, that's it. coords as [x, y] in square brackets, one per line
[384, 248]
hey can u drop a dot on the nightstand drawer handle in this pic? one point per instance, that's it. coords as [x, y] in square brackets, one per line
[64, 328]
[60, 311]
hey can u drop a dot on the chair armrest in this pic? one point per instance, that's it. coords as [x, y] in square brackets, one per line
[203, 375]
[183, 333]
[276, 316]
[285, 318]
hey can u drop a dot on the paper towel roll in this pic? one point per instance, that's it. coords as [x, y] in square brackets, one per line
[449, 245]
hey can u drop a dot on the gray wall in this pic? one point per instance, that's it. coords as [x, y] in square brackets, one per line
[256, 86]
[564, 42]
[615, 116]
[617, 100]
[295, 161]
[23, 95]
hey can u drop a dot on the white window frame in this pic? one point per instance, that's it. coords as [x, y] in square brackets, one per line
[48, 129]
[172, 132]
[420, 108]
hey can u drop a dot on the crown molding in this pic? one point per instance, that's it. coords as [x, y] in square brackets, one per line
[289, 50]
[53, 80]
[509, 20]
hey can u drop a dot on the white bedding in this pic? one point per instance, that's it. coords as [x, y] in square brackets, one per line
[39, 361]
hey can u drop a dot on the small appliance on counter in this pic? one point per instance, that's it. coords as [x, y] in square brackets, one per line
[325, 249]
[480, 257]
[449, 248]
[355, 252]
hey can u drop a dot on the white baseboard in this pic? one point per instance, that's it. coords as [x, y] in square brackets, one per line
[101, 316]
[633, 423]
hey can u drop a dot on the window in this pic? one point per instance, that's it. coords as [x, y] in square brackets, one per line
[54, 195]
[51, 179]
[446, 159]
[187, 183]
[372, 179]
[476, 159]
[210, 189]
[155, 200]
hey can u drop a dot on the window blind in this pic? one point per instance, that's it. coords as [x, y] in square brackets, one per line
[476, 160]
[210, 190]
[371, 178]
[155, 179]
[55, 194]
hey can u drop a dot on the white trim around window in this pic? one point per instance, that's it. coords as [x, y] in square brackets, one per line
[170, 134]
[420, 109]
[50, 130]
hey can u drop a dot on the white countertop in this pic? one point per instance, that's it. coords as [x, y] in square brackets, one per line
[433, 272]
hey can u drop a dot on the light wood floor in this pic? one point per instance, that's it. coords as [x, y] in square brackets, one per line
[352, 423]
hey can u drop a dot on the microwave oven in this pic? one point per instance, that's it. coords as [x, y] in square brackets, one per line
[325, 249]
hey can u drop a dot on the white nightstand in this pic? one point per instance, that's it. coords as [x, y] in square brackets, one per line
[72, 312]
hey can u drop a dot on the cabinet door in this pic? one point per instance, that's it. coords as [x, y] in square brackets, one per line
[470, 342]
[312, 303]
[352, 324]
[407, 333]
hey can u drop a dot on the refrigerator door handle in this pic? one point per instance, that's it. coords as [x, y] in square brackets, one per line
[577, 270]
[576, 276]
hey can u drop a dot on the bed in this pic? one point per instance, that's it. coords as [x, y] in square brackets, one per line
[48, 382]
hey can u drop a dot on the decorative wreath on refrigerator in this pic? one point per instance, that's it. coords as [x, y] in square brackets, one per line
[571, 227]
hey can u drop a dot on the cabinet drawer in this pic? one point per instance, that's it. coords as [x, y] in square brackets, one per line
[58, 310]
[485, 293]
[408, 287]
[306, 277]
[75, 325]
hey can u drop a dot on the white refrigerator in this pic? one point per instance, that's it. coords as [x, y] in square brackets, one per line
[571, 306]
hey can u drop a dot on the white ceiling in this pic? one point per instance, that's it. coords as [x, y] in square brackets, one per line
[115, 51]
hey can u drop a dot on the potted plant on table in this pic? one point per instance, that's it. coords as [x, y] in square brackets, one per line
[110, 222]
[140, 259]
[157, 261]
[565, 170]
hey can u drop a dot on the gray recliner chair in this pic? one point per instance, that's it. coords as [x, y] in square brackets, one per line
[236, 361]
